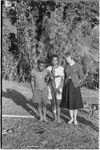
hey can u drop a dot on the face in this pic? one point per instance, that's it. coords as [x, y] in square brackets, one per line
[55, 61]
[69, 60]
[41, 66]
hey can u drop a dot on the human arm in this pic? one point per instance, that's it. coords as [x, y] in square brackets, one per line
[52, 76]
[47, 77]
[67, 73]
[80, 73]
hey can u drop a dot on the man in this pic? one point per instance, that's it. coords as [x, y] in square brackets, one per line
[55, 90]
[39, 88]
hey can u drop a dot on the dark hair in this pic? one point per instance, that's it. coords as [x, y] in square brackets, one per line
[71, 55]
[67, 54]
[55, 55]
[41, 61]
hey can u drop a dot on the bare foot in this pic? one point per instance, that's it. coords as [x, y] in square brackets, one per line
[45, 120]
[70, 121]
[41, 119]
[55, 115]
[56, 118]
[59, 120]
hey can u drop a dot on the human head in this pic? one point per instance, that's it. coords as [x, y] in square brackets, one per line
[41, 64]
[55, 60]
[68, 57]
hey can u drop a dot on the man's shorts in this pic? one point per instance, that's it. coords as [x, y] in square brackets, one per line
[40, 96]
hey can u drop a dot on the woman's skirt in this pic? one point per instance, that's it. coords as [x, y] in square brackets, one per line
[71, 96]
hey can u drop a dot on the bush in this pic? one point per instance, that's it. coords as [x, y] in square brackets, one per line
[47, 27]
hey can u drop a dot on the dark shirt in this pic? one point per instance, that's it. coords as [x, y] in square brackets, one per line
[75, 72]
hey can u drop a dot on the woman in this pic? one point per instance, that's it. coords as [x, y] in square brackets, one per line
[71, 97]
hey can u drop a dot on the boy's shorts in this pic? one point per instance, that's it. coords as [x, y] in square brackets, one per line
[40, 96]
[50, 94]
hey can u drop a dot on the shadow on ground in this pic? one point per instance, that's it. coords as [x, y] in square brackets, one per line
[21, 100]
[81, 120]
[88, 123]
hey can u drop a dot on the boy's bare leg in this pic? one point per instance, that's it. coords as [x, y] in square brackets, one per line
[32, 87]
[55, 111]
[58, 110]
[44, 112]
[55, 108]
[52, 105]
[40, 111]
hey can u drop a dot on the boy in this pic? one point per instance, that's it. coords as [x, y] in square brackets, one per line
[55, 90]
[39, 88]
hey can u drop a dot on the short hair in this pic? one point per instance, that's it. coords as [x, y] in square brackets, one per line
[41, 61]
[67, 54]
[71, 55]
[55, 55]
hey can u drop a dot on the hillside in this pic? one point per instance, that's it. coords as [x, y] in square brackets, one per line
[30, 133]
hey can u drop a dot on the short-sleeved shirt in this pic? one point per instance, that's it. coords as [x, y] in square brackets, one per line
[58, 73]
[39, 78]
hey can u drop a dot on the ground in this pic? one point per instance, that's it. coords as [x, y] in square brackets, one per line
[19, 132]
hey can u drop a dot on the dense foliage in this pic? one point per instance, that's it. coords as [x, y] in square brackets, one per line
[44, 27]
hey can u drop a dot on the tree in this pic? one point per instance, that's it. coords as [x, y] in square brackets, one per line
[55, 26]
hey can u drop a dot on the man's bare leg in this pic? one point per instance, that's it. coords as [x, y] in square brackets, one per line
[55, 111]
[40, 111]
[44, 113]
[58, 110]
[32, 87]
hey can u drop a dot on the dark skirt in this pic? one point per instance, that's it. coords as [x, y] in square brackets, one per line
[71, 96]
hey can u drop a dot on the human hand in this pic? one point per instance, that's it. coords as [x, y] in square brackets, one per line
[52, 77]
[47, 79]
[80, 83]
[32, 98]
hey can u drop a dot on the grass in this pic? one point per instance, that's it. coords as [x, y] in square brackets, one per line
[16, 100]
